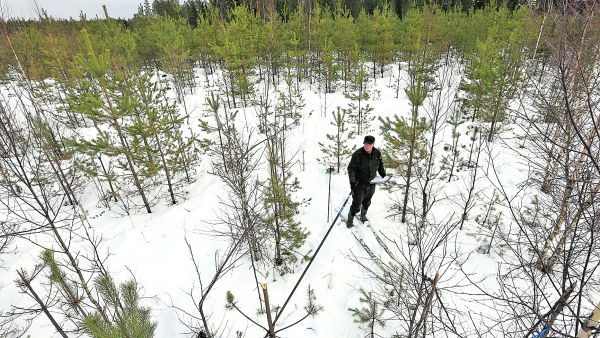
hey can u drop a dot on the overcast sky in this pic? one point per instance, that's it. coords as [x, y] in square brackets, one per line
[71, 8]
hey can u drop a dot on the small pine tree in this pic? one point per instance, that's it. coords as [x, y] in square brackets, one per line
[57, 277]
[450, 161]
[367, 39]
[128, 317]
[406, 140]
[329, 69]
[175, 56]
[421, 67]
[107, 98]
[312, 308]
[370, 314]
[489, 222]
[296, 46]
[493, 77]
[158, 125]
[289, 234]
[345, 40]
[397, 132]
[337, 150]
[357, 111]
[278, 192]
[384, 22]
[237, 47]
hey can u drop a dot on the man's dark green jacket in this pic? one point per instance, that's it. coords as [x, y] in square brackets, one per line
[363, 167]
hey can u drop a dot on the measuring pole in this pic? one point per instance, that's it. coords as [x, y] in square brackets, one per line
[329, 171]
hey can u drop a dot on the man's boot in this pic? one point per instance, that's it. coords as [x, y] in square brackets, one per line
[350, 220]
[363, 215]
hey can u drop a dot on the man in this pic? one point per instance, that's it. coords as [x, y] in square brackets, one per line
[364, 165]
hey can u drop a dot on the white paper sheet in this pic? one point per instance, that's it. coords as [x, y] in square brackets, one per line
[380, 180]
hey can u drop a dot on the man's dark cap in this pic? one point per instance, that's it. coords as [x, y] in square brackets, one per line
[369, 139]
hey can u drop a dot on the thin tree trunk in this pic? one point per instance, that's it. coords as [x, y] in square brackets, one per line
[268, 311]
[410, 162]
[583, 207]
[471, 189]
[455, 136]
[134, 174]
[554, 311]
[126, 146]
[427, 306]
[550, 166]
[584, 276]
[27, 283]
[566, 195]
[495, 116]
[339, 120]
[398, 80]
[559, 220]
[413, 317]
[166, 169]
[106, 174]
[62, 179]
[428, 178]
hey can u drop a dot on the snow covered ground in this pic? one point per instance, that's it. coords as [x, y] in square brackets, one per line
[153, 246]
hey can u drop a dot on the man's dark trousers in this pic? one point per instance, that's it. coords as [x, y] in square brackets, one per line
[361, 195]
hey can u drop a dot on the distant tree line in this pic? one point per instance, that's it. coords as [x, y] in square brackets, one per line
[192, 9]
[170, 36]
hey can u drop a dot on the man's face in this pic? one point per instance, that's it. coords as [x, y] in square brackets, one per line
[368, 147]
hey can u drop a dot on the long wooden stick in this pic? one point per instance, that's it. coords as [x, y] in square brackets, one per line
[268, 310]
[427, 305]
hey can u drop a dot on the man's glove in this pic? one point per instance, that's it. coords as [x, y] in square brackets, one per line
[352, 186]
